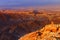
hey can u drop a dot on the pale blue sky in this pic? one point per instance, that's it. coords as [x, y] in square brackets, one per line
[27, 3]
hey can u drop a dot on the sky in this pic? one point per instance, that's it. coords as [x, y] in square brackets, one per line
[27, 3]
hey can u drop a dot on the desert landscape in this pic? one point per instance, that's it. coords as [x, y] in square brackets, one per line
[29, 24]
[29, 19]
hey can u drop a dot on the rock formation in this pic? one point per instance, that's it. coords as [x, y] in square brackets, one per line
[49, 32]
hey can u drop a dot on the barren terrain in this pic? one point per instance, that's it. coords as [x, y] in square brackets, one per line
[15, 24]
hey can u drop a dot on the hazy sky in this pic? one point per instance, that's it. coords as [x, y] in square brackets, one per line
[27, 3]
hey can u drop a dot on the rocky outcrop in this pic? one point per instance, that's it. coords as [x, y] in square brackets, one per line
[49, 32]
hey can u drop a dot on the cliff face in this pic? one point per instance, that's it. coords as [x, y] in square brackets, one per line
[14, 25]
[49, 32]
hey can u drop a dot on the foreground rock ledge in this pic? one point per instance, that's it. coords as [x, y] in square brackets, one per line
[49, 32]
